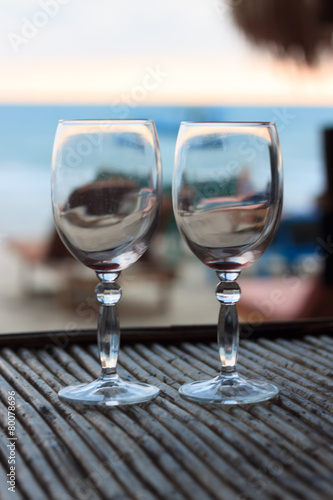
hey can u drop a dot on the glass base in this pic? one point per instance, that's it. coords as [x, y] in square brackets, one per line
[109, 390]
[229, 389]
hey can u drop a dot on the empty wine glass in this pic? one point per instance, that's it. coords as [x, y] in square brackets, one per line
[106, 197]
[227, 199]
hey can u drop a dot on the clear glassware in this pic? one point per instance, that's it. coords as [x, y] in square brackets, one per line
[227, 199]
[106, 198]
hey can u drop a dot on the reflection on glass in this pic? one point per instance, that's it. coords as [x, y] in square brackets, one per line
[106, 195]
[227, 198]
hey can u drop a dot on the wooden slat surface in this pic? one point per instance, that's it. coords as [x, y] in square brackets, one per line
[170, 448]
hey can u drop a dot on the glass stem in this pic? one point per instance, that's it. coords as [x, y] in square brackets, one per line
[228, 293]
[228, 337]
[108, 293]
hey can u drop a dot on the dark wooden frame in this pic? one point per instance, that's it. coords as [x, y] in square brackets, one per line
[172, 334]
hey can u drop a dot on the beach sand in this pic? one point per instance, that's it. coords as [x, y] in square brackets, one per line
[42, 298]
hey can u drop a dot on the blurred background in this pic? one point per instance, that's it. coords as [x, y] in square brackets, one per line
[255, 60]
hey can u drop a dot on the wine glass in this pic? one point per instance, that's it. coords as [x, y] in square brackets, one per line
[106, 197]
[227, 199]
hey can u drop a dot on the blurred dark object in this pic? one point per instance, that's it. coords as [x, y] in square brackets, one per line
[298, 296]
[327, 208]
[328, 152]
[296, 237]
[102, 197]
[297, 28]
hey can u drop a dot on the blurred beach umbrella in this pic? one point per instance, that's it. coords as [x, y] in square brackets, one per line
[298, 28]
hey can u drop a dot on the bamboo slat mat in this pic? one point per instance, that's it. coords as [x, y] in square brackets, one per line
[170, 448]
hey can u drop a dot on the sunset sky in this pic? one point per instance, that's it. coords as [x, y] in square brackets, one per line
[147, 51]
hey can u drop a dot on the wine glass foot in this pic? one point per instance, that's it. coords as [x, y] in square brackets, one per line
[109, 391]
[230, 389]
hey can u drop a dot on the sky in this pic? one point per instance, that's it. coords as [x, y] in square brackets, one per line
[150, 51]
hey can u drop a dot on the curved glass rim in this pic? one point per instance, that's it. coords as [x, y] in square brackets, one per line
[78, 121]
[247, 124]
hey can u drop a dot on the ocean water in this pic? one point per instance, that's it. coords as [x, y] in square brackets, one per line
[27, 134]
